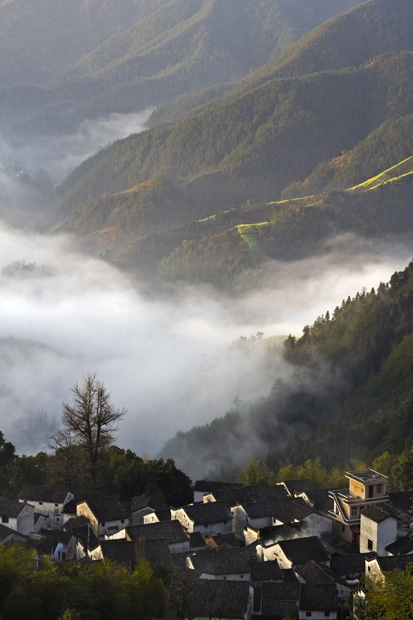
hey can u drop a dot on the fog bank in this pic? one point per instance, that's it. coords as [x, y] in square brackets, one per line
[171, 362]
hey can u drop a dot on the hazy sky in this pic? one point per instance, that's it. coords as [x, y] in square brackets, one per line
[170, 362]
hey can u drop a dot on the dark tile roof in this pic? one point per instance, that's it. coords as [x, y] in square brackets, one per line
[196, 541]
[143, 501]
[289, 510]
[171, 531]
[281, 591]
[348, 566]
[9, 508]
[70, 507]
[155, 550]
[320, 500]
[279, 610]
[5, 532]
[220, 561]
[321, 597]
[264, 571]
[223, 540]
[301, 550]
[312, 572]
[51, 495]
[107, 508]
[211, 512]
[298, 486]
[210, 598]
[120, 551]
[376, 514]
[401, 546]
[390, 562]
[249, 495]
[81, 528]
[289, 575]
[209, 486]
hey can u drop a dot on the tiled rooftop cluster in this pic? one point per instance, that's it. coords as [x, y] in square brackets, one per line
[237, 552]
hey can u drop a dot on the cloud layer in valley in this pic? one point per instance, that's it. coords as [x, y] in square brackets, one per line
[171, 362]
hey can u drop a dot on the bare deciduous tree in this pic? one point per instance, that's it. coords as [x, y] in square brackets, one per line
[91, 420]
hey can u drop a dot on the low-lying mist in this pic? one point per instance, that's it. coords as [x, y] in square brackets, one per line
[169, 360]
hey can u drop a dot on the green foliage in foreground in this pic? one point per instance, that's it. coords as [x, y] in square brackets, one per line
[33, 589]
[392, 598]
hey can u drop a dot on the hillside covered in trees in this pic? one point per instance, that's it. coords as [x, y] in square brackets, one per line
[124, 57]
[223, 180]
[350, 395]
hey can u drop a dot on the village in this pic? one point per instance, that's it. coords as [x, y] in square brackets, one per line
[238, 552]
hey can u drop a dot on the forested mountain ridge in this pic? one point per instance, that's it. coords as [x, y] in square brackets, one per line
[138, 55]
[350, 397]
[34, 44]
[170, 244]
[259, 142]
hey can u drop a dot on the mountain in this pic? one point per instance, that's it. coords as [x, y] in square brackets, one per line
[41, 39]
[350, 395]
[135, 55]
[171, 244]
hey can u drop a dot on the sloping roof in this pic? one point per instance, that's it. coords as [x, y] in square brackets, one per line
[321, 597]
[289, 510]
[50, 495]
[120, 551]
[298, 486]
[210, 598]
[312, 572]
[156, 551]
[171, 531]
[196, 541]
[350, 566]
[70, 507]
[280, 591]
[265, 571]
[9, 508]
[401, 546]
[220, 561]
[390, 562]
[320, 499]
[211, 512]
[301, 550]
[6, 532]
[143, 501]
[209, 486]
[223, 540]
[107, 508]
[250, 495]
[376, 514]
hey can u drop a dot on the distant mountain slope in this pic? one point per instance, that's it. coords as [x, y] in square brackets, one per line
[347, 40]
[255, 144]
[389, 143]
[184, 46]
[41, 39]
[162, 230]
[351, 396]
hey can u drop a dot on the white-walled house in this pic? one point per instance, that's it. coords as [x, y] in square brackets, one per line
[297, 551]
[48, 501]
[106, 515]
[18, 516]
[209, 519]
[171, 531]
[220, 563]
[378, 528]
